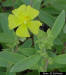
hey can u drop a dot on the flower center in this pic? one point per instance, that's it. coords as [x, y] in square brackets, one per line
[25, 22]
[26, 19]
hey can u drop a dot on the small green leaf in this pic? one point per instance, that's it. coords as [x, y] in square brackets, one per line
[25, 63]
[46, 39]
[27, 43]
[58, 25]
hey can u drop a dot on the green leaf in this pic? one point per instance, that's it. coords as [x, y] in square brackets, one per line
[62, 69]
[26, 63]
[51, 10]
[12, 3]
[7, 58]
[60, 59]
[36, 4]
[8, 3]
[64, 29]
[7, 73]
[27, 43]
[48, 1]
[26, 1]
[58, 25]
[59, 4]
[3, 63]
[17, 3]
[54, 66]
[10, 73]
[27, 51]
[7, 38]
[58, 45]
[46, 18]
[4, 22]
[0, 0]
[2, 73]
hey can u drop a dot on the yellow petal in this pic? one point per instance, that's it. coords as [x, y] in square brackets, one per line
[33, 13]
[13, 21]
[20, 11]
[34, 26]
[22, 31]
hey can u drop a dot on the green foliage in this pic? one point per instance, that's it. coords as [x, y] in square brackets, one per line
[46, 18]
[8, 3]
[4, 22]
[48, 38]
[58, 45]
[60, 59]
[27, 51]
[58, 25]
[25, 63]
[7, 38]
[7, 73]
[45, 52]
[36, 4]
[64, 29]
[9, 58]
[58, 4]
[26, 45]
[45, 37]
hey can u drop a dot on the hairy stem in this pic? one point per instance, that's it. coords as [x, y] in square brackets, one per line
[46, 60]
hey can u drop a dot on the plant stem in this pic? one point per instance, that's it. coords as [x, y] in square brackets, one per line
[46, 61]
[46, 66]
[16, 49]
[31, 2]
[32, 37]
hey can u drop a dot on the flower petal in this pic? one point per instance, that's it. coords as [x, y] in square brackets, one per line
[13, 21]
[20, 11]
[33, 13]
[22, 31]
[34, 26]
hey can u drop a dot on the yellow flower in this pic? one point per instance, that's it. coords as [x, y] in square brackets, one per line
[23, 18]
